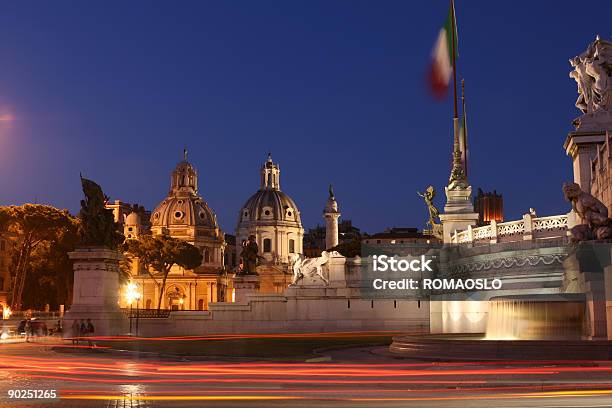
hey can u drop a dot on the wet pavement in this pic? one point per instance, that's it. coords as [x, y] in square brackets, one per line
[365, 376]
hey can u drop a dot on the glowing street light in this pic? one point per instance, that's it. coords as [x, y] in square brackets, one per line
[132, 293]
[6, 313]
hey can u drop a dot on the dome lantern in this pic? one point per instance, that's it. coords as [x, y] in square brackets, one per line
[184, 177]
[270, 175]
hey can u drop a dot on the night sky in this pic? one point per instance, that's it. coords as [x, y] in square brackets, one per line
[334, 89]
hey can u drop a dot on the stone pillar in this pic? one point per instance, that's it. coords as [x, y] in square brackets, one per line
[493, 227]
[582, 148]
[336, 267]
[245, 285]
[528, 223]
[608, 295]
[331, 229]
[96, 291]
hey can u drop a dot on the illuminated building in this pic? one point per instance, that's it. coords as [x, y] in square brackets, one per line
[184, 215]
[489, 206]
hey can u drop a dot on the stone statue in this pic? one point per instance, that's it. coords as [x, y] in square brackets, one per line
[594, 214]
[309, 268]
[428, 196]
[583, 82]
[249, 256]
[98, 227]
[331, 192]
[592, 71]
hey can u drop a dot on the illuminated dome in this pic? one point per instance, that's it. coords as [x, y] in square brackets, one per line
[272, 216]
[270, 205]
[183, 206]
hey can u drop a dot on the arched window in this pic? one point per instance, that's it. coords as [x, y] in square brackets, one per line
[291, 246]
[267, 245]
[201, 304]
[148, 306]
[206, 256]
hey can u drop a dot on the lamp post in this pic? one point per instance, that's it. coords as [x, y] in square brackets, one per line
[138, 295]
[131, 293]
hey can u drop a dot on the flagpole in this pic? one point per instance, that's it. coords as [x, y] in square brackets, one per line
[457, 162]
[464, 141]
[454, 40]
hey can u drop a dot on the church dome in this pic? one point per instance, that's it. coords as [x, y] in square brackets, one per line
[269, 204]
[183, 211]
[132, 219]
[183, 206]
[273, 218]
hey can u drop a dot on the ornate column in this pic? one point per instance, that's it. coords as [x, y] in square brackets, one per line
[331, 215]
[459, 211]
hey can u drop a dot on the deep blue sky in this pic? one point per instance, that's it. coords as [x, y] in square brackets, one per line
[335, 89]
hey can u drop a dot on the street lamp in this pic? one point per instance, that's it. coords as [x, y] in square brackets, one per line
[137, 296]
[131, 294]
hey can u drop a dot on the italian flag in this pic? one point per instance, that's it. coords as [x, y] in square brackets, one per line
[442, 56]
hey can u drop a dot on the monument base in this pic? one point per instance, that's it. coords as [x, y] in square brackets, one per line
[96, 291]
[245, 285]
[458, 212]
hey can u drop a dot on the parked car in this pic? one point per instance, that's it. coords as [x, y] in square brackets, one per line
[39, 328]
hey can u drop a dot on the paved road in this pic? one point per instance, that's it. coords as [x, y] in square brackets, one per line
[353, 378]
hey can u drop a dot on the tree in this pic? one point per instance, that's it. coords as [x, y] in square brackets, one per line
[348, 249]
[34, 224]
[160, 253]
[50, 275]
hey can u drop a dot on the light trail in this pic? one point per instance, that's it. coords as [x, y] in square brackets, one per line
[100, 377]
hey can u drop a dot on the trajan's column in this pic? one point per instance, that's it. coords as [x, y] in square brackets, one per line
[331, 215]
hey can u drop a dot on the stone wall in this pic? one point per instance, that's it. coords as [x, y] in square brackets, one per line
[303, 311]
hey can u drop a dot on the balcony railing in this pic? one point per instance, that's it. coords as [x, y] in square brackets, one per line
[529, 228]
[147, 313]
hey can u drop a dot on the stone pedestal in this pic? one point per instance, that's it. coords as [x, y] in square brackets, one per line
[608, 293]
[585, 272]
[96, 291]
[245, 285]
[582, 148]
[458, 212]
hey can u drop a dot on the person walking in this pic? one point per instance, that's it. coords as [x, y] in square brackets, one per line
[76, 331]
[28, 330]
[90, 332]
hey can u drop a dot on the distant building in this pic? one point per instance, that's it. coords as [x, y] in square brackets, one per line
[489, 206]
[399, 235]
[273, 218]
[314, 239]
[183, 214]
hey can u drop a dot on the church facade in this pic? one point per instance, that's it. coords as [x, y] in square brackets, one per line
[274, 219]
[269, 214]
[184, 215]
